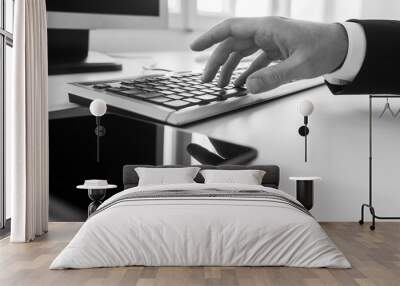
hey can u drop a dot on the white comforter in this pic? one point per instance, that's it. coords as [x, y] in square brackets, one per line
[193, 231]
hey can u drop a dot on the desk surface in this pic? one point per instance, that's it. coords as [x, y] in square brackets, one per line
[338, 140]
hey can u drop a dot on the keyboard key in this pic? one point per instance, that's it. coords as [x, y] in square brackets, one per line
[176, 103]
[116, 89]
[149, 89]
[148, 94]
[178, 90]
[189, 88]
[131, 91]
[196, 92]
[141, 85]
[208, 84]
[161, 87]
[160, 99]
[193, 100]
[186, 94]
[166, 92]
[207, 90]
[183, 84]
[114, 84]
[204, 102]
[101, 86]
[231, 92]
[173, 85]
[207, 97]
[153, 84]
[174, 96]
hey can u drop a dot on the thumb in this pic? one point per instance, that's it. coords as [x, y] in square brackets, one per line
[273, 76]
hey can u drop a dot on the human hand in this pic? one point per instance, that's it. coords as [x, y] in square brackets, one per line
[304, 49]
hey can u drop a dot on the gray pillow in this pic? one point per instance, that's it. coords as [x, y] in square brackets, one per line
[166, 176]
[246, 177]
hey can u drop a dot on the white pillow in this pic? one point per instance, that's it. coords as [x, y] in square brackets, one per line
[247, 177]
[165, 176]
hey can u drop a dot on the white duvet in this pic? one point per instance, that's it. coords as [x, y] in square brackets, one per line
[219, 232]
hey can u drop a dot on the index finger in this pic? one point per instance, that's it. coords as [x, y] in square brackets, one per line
[238, 27]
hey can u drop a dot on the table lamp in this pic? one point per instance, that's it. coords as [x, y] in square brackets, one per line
[98, 108]
[305, 109]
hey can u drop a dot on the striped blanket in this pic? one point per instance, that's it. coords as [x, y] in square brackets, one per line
[205, 194]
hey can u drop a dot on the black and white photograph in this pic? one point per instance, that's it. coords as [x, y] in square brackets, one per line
[199, 142]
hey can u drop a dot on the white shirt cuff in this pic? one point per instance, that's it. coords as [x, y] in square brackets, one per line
[355, 56]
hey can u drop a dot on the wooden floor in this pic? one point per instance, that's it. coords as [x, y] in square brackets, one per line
[375, 257]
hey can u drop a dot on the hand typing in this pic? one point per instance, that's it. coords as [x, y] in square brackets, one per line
[303, 50]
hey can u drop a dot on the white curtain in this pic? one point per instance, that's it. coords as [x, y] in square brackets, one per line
[27, 124]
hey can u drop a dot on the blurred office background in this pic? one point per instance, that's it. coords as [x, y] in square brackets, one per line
[187, 18]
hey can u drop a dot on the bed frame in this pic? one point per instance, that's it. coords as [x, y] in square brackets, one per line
[270, 179]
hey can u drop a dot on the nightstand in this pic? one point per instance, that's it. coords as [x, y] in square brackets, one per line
[96, 194]
[305, 190]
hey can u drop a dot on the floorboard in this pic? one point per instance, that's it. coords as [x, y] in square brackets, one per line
[375, 257]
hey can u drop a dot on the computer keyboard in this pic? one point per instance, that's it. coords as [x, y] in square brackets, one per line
[175, 91]
[177, 98]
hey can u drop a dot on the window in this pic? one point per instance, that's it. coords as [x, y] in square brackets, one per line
[6, 41]
[201, 14]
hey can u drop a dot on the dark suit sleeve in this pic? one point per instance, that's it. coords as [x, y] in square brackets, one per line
[380, 72]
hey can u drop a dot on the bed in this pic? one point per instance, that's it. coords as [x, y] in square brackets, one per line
[201, 224]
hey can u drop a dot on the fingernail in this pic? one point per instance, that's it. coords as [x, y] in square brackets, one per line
[253, 85]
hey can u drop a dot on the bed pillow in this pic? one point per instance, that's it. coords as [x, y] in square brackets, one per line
[247, 177]
[166, 176]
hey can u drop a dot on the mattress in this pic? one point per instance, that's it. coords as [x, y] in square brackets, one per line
[201, 225]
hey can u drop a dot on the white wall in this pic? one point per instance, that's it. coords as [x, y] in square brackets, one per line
[381, 9]
[109, 41]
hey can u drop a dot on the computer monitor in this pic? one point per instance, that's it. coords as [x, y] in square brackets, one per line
[69, 22]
